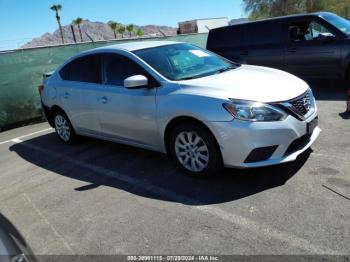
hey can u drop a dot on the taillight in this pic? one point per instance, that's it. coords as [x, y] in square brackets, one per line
[41, 89]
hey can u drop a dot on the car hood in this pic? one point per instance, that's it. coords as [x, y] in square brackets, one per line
[247, 82]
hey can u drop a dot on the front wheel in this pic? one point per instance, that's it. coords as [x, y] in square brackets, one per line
[195, 150]
[63, 127]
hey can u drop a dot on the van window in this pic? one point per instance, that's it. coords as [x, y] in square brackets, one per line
[83, 69]
[306, 31]
[316, 31]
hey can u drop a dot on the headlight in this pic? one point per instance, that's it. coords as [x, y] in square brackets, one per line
[254, 111]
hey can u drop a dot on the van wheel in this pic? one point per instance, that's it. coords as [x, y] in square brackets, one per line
[64, 128]
[195, 150]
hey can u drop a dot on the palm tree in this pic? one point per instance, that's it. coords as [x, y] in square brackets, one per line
[78, 22]
[121, 30]
[114, 26]
[140, 32]
[130, 28]
[57, 8]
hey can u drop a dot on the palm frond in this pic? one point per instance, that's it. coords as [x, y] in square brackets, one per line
[56, 8]
[77, 21]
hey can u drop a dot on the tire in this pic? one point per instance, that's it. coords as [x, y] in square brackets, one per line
[64, 128]
[195, 150]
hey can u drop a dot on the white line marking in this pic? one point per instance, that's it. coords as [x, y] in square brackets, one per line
[16, 140]
[31, 134]
[248, 224]
[37, 210]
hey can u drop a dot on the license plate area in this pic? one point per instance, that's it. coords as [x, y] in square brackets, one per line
[310, 127]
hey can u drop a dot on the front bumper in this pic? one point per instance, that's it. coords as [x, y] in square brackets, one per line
[237, 139]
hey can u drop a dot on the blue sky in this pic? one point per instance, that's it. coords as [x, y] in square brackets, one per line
[21, 20]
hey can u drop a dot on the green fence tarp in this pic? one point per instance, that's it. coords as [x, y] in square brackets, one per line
[21, 72]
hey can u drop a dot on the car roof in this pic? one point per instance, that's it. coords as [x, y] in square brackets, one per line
[279, 18]
[137, 45]
[126, 47]
[319, 14]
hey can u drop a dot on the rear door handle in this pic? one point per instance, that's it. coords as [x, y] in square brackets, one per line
[66, 95]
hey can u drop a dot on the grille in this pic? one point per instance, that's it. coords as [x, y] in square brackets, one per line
[302, 106]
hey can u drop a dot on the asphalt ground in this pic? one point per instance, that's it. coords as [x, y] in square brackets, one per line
[104, 198]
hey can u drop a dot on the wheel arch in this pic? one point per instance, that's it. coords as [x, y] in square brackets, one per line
[49, 113]
[56, 108]
[180, 120]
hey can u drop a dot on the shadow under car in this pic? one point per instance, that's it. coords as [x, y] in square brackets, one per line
[101, 163]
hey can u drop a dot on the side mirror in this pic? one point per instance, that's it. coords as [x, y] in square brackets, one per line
[326, 38]
[137, 81]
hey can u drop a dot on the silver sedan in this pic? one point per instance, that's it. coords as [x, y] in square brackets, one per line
[205, 111]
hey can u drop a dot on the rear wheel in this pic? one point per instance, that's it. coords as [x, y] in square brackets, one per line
[63, 127]
[195, 150]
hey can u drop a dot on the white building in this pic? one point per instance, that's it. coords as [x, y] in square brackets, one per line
[202, 25]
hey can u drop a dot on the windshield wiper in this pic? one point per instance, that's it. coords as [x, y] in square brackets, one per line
[187, 78]
[191, 77]
[208, 74]
[224, 69]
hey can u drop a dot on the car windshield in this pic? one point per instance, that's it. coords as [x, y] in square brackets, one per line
[339, 22]
[184, 61]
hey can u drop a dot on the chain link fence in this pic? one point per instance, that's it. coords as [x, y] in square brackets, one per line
[21, 72]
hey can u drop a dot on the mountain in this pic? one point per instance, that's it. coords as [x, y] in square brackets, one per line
[96, 30]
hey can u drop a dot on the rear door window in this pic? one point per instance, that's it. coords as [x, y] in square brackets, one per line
[84, 69]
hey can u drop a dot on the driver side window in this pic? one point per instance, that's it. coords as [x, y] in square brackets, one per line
[317, 31]
[116, 68]
[307, 31]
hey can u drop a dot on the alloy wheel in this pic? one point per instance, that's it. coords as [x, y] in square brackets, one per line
[62, 128]
[191, 151]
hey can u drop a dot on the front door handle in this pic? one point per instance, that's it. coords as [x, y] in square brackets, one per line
[104, 100]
